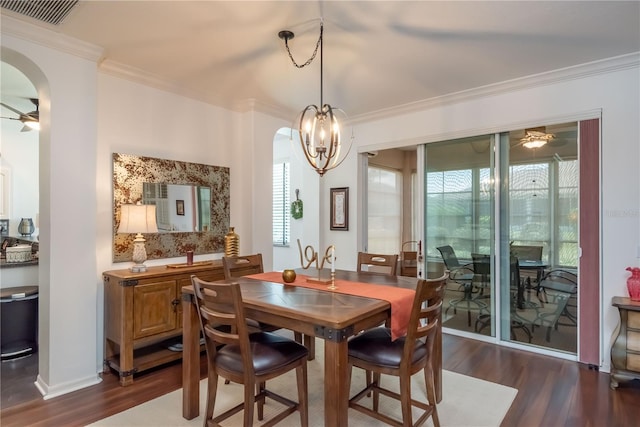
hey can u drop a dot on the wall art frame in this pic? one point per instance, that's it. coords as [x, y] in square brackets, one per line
[339, 215]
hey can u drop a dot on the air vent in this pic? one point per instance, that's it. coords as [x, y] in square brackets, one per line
[49, 11]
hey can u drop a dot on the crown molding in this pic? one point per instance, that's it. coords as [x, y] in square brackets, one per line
[604, 66]
[48, 38]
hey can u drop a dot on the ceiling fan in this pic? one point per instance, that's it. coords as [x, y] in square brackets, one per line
[30, 120]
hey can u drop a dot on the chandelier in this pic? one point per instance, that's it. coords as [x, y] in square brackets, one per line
[319, 126]
[536, 138]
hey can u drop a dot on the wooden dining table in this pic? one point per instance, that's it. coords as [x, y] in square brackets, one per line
[326, 314]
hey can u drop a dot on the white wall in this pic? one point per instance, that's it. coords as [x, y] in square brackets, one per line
[67, 154]
[615, 94]
[305, 179]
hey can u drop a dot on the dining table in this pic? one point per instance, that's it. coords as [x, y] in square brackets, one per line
[333, 315]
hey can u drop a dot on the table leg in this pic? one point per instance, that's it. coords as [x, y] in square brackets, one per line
[190, 359]
[336, 388]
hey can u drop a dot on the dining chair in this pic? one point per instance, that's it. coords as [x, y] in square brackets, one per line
[245, 265]
[459, 273]
[409, 259]
[516, 321]
[374, 351]
[250, 359]
[463, 275]
[377, 263]
[560, 288]
[531, 278]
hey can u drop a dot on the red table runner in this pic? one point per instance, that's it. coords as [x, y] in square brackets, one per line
[401, 299]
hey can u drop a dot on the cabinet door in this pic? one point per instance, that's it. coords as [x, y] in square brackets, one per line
[154, 308]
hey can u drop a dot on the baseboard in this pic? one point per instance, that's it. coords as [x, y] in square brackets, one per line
[49, 392]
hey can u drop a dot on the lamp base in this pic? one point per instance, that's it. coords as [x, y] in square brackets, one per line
[138, 268]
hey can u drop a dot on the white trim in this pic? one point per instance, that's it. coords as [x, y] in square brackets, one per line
[505, 127]
[51, 39]
[5, 203]
[589, 69]
[58, 390]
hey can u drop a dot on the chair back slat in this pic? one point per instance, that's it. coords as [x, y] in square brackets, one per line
[425, 314]
[221, 314]
[378, 260]
[242, 266]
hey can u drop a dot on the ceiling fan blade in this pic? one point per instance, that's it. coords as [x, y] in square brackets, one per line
[11, 108]
[26, 128]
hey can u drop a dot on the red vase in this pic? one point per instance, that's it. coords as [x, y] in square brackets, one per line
[633, 283]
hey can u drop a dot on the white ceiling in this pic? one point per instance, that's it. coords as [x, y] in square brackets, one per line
[377, 54]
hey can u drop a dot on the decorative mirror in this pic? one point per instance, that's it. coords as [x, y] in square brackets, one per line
[192, 204]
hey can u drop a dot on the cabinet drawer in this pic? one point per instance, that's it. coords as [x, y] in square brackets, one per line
[633, 362]
[633, 341]
[154, 308]
[633, 321]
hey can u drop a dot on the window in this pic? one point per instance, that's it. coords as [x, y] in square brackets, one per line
[281, 203]
[458, 211]
[385, 211]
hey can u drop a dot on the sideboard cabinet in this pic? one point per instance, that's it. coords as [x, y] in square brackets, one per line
[625, 352]
[143, 312]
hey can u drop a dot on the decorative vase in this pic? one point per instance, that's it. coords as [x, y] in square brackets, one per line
[231, 243]
[633, 283]
[289, 276]
[26, 227]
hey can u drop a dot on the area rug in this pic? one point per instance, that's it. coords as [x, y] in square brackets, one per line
[466, 402]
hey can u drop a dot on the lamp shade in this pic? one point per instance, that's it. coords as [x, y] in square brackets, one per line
[138, 219]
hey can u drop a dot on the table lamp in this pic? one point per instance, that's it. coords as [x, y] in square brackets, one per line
[138, 219]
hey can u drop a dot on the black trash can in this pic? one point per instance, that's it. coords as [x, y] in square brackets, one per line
[19, 321]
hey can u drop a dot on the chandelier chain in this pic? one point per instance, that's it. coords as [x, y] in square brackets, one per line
[313, 56]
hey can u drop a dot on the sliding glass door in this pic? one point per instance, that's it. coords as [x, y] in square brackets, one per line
[459, 216]
[502, 217]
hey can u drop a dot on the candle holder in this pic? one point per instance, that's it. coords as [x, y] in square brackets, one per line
[332, 286]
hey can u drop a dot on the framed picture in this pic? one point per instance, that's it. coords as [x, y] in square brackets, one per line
[339, 209]
[4, 227]
[180, 207]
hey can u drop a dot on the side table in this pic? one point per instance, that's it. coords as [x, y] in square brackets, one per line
[625, 351]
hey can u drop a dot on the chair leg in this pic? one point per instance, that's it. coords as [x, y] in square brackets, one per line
[303, 394]
[307, 341]
[405, 400]
[249, 403]
[431, 394]
[212, 388]
[310, 343]
[376, 393]
[260, 391]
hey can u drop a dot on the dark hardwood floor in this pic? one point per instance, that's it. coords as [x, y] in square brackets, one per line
[552, 392]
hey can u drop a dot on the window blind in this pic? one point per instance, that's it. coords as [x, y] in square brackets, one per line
[281, 204]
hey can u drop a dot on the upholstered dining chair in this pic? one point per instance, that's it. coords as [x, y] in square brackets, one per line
[245, 358]
[378, 263]
[374, 351]
[252, 264]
